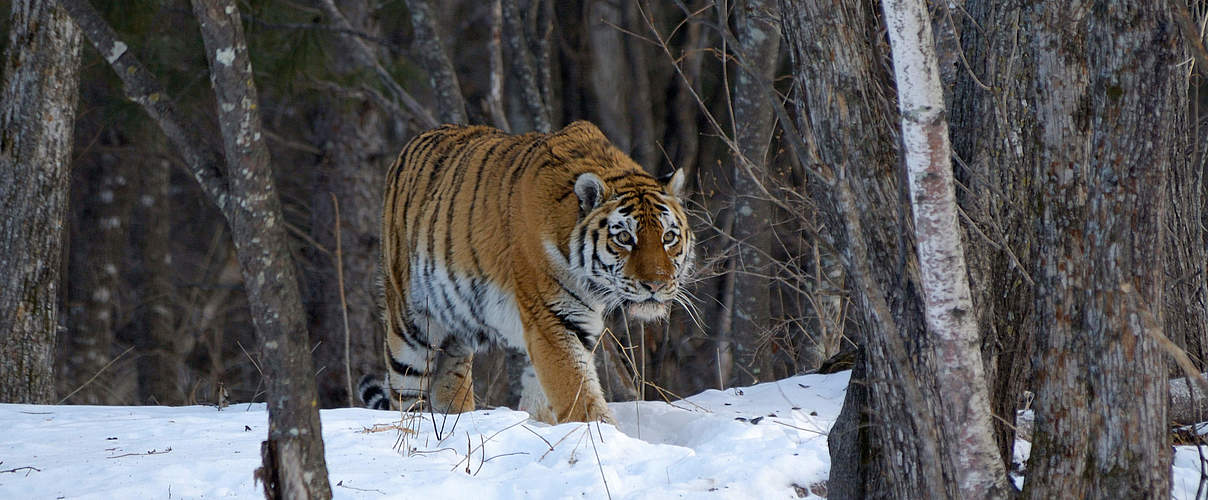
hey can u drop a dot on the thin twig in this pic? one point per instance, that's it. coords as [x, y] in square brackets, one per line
[339, 261]
[149, 452]
[95, 375]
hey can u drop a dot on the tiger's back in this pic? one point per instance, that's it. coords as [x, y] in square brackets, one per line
[479, 231]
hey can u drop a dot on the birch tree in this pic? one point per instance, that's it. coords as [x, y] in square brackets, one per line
[948, 304]
[37, 114]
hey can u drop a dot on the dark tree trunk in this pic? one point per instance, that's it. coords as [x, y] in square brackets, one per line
[989, 126]
[748, 340]
[1186, 293]
[294, 465]
[845, 107]
[351, 135]
[846, 118]
[1105, 81]
[98, 297]
[37, 116]
[162, 370]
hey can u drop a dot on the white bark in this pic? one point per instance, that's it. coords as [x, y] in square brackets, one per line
[965, 404]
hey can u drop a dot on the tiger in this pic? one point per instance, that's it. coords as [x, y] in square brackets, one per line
[524, 241]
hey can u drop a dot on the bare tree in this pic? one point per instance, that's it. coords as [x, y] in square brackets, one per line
[1105, 76]
[353, 145]
[37, 113]
[746, 325]
[98, 297]
[527, 86]
[964, 401]
[990, 129]
[894, 408]
[161, 366]
[294, 465]
[450, 106]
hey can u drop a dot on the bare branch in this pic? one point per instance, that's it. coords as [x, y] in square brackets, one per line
[141, 87]
[362, 53]
[524, 69]
[428, 49]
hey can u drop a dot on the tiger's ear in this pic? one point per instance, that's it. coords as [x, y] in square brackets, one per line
[590, 190]
[674, 183]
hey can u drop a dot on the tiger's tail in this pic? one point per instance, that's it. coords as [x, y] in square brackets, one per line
[373, 393]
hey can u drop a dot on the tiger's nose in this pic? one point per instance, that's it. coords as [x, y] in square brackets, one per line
[654, 285]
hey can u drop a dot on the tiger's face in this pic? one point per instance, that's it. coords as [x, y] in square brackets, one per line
[633, 245]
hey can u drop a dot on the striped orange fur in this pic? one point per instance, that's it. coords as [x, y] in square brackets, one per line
[525, 240]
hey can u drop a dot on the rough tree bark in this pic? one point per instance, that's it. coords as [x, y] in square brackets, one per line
[527, 81]
[294, 463]
[1186, 294]
[1105, 77]
[37, 115]
[748, 340]
[294, 466]
[845, 116]
[428, 49]
[964, 399]
[990, 124]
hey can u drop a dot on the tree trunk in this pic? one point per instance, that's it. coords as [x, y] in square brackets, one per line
[99, 294]
[37, 115]
[750, 313]
[964, 405]
[351, 135]
[1186, 293]
[428, 49]
[294, 465]
[990, 125]
[1106, 76]
[526, 86]
[844, 110]
[845, 137]
[162, 368]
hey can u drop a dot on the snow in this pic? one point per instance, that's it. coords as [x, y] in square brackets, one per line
[765, 441]
[753, 442]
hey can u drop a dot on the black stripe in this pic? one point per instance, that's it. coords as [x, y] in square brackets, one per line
[574, 296]
[626, 174]
[411, 337]
[405, 369]
[486, 159]
[572, 327]
[518, 168]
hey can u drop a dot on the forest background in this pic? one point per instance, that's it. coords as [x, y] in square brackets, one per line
[1076, 145]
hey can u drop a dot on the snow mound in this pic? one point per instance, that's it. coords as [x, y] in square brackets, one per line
[765, 441]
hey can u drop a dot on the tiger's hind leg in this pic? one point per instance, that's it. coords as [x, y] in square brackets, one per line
[425, 377]
[411, 359]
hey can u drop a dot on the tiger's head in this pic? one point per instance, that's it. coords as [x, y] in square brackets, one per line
[632, 244]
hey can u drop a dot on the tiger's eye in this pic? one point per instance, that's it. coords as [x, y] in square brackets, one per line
[670, 237]
[623, 238]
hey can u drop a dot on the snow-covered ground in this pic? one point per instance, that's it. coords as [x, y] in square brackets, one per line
[766, 441]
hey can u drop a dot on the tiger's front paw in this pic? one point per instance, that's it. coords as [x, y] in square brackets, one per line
[599, 412]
